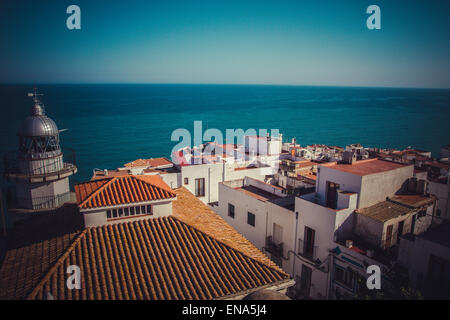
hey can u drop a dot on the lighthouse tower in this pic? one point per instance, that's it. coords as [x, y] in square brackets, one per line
[37, 171]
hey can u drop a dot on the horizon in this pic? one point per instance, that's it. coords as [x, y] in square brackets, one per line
[218, 84]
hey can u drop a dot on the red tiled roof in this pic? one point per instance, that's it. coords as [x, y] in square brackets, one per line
[305, 163]
[365, 167]
[440, 165]
[194, 253]
[34, 245]
[161, 258]
[192, 211]
[121, 190]
[152, 162]
[101, 174]
[310, 176]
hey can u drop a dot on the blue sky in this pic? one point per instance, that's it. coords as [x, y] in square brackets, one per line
[321, 42]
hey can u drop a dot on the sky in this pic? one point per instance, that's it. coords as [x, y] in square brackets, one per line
[320, 42]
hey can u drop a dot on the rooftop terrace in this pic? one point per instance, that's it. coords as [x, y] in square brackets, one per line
[365, 167]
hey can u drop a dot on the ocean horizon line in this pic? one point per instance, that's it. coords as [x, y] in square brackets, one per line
[219, 84]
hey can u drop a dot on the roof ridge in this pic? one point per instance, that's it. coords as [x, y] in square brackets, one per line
[97, 191]
[154, 185]
[54, 267]
[276, 268]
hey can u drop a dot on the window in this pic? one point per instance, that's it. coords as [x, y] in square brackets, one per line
[186, 180]
[149, 209]
[231, 210]
[277, 233]
[127, 211]
[114, 213]
[308, 244]
[138, 210]
[132, 211]
[344, 277]
[200, 187]
[143, 209]
[120, 212]
[251, 219]
[108, 214]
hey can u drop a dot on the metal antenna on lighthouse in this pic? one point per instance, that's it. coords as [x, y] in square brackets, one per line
[35, 95]
[38, 108]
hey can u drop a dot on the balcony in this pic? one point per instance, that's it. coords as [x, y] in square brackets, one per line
[308, 252]
[274, 248]
[50, 171]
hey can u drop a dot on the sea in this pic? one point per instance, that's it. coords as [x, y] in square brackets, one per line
[109, 125]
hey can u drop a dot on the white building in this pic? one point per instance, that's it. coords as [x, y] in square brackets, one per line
[262, 212]
[427, 258]
[441, 189]
[348, 211]
[363, 206]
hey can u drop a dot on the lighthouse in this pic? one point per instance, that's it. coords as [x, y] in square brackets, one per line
[37, 172]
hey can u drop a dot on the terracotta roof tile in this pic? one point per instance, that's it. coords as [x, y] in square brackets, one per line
[34, 245]
[194, 212]
[162, 258]
[194, 254]
[152, 162]
[121, 190]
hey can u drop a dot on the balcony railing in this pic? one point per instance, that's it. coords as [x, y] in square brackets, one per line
[274, 248]
[49, 167]
[310, 253]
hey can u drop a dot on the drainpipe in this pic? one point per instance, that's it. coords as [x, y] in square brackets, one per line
[330, 274]
[223, 171]
[209, 184]
[267, 224]
[295, 242]
[2, 212]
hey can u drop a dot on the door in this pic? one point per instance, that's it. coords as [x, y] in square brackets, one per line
[200, 187]
[305, 281]
[308, 245]
[388, 241]
[331, 194]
